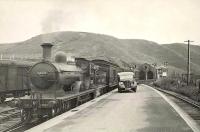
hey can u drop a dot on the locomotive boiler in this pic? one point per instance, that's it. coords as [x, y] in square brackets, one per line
[53, 79]
[61, 84]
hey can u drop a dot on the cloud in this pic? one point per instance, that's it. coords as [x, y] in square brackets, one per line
[157, 20]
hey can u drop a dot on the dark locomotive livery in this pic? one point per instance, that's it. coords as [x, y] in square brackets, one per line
[14, 81]
[61, 85]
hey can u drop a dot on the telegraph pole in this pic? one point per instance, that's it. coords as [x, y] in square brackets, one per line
[188, 61]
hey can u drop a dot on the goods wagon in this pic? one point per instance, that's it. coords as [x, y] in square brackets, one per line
[14, 81]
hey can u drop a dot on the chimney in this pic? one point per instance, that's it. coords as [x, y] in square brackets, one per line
[46, 51]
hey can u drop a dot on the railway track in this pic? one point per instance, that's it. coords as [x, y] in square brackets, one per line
[191, 107]
[9, 119]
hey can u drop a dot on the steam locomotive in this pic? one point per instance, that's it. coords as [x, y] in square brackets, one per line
[63, 84]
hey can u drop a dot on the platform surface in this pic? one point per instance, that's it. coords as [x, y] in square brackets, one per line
[143, 111]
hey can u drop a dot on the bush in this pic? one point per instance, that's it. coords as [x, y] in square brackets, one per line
[177, 86]
[165, 83]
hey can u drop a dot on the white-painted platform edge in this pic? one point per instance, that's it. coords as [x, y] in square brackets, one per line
[191, 123]
[60, 118]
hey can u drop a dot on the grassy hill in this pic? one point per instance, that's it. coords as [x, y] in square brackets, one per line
[181, 49]
[121, 51]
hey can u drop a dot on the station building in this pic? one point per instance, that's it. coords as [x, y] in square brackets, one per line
[161, 72]
[147, 71]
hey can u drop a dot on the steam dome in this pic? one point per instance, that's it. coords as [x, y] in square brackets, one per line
[61, 57]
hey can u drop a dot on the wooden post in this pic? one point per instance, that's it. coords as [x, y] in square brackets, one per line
[188, 62]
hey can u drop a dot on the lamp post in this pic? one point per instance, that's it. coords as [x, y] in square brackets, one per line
[145, 72]
[155, 67]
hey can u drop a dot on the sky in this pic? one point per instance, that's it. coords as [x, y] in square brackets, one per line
[162, 21]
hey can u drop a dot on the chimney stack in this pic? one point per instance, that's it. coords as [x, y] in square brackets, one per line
[46, 51]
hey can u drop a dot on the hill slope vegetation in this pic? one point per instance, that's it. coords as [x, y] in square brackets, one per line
[120, 51]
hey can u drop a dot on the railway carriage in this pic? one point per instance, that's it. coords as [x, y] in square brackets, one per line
[110, 71]
[59, 85]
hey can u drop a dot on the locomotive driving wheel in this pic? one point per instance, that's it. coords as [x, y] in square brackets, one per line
[25, 115]
[63, 107]
[58, 110]
[52, 112]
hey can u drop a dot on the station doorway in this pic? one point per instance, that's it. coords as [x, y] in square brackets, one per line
[141, 75]
[149, 75]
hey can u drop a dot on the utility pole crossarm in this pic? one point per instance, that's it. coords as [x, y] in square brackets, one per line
[188, 41]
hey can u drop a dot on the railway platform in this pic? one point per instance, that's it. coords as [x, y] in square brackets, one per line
[147, 110]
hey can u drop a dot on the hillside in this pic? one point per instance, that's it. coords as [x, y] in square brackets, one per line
[121, 51]
[181, 49]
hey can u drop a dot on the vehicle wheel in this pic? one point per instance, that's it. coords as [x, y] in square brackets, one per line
[119, 90]
[133, 89]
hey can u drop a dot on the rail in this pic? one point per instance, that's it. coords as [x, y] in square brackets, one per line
[181, 97]
[9, 119]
